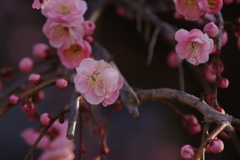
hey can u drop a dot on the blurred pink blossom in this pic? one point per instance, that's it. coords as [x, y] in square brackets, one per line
[211, 29]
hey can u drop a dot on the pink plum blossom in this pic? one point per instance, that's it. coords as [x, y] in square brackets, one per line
[190, 9]
[72, 56]
[30, 136]
[62, 35]
[66, 11]
[37, 4]
[194, 46]
[212, 6]
[98, 82]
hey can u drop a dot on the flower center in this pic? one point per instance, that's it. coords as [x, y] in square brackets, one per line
[192, 49]
[191, 2]
[211, 4]
[64, 10]
[94, 80]
[74, 52]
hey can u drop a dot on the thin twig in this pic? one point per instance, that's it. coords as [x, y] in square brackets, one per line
[45, 129]
[219, 46]
[210, 137]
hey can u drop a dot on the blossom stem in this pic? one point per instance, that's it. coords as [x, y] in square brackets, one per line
[44, 131]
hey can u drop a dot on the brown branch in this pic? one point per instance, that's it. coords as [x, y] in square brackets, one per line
[44, 131]
[210, 114]
[34, 90]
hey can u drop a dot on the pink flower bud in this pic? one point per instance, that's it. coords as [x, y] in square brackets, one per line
[228, 1]
[223, 82]
[211, 29]
[6, 73]
[39, 96]
[219, 109]
[216, 146]
[194, 129]
[98, 131]
[61, 83]
[82, 149]
[34, 78]
[187, 152]
[41, 50]
[224, 37]
[13, 99]
[210, 98]
[28, 107]
[88, 28]
[238, 43]
[45, 119]
[26, 65]
[118, 105]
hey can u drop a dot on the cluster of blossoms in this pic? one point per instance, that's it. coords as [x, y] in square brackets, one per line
[194, 9]
[67, 30]
[54, 143]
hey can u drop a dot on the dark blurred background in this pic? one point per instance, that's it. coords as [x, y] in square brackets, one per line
[157, 134]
